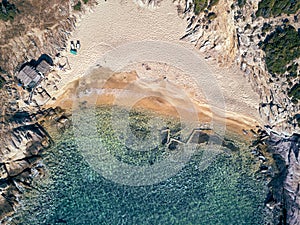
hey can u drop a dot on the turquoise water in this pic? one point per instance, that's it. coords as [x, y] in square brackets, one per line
[73, 193]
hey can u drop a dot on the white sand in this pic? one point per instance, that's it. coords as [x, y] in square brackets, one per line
[115, 23]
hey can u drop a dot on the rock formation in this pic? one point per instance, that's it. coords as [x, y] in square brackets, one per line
[284, 199]
[226, 32]
[20, 148]
[23, 136]
[230, 33]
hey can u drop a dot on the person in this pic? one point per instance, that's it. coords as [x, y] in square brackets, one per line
[78, 44]
[72, 45]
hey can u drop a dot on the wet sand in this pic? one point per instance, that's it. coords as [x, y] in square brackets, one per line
[128, 90]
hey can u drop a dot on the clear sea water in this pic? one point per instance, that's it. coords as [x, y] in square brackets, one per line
[72, 192]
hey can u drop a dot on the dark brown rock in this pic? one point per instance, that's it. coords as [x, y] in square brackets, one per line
[17, 167]
[6, 208]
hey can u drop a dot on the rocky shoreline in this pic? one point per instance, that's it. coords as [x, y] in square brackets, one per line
[24, 137]
[232, 37]
[283, 199]
[282, 173]
[21, 149]
[25, 128]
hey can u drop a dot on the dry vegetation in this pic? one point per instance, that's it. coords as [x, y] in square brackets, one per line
[38, 27]
[34, 14]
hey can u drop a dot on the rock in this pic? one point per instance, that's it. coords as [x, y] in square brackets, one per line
[285, 183]
[262, 158]
[264, 168]
[3, 172]
[230, 145]
[22, 142]
[165, 136]
[230, 39]
[6, 208]
[173, 145]
[199, 137]
[16, 167]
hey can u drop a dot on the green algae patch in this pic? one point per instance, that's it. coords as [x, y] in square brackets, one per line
[226, 192]
[141, 124]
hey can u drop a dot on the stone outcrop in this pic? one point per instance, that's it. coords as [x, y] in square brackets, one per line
[231, 37]
[6, 207]
[284, 198]
[226, 33]
[22, 142]
[35, 30]
[20, 149]
[38, 28]
[148, 3]
[230, 34]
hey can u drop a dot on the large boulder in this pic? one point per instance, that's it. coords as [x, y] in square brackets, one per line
[6, 208]
[17, 167]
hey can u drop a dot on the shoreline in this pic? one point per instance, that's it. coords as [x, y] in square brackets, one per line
[242, 104]
[159, 100]
[66, 151]
[127, 25]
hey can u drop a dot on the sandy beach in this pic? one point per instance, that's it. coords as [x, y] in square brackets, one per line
[114, 24]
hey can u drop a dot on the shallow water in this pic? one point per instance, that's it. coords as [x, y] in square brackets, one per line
[74, 193]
